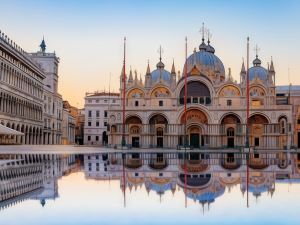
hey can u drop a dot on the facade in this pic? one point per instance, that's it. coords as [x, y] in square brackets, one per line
[96, 108]
[79, 132]
[68, 127]
[216, 107]
[21, 92]
[29, 98]
[52, 113]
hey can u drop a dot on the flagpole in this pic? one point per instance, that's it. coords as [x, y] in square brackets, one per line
[185, 121]
[247, 125]
[124, 91]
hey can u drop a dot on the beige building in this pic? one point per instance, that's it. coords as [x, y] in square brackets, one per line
[68, 127]
[216, 107]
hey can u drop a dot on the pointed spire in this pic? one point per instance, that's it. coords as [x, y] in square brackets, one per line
[148, 68]
[173, 71]
[130, 79]
[272, 66]
[243, 70]
[43, 45]
[141, 81]
[135, 76]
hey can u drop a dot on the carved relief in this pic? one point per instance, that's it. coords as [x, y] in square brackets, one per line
[230, 91]
[136, 93]
[160, 92]
[194, 116]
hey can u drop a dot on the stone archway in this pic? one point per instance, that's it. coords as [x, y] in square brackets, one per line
[134, 126]
[230, 127]
[158, 125]
[195, 121]
[257, 124]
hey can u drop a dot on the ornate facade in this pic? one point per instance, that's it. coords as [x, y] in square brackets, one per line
[216, 107]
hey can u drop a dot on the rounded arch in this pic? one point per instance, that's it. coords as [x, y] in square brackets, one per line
[257, 90]
[133, 119]
[158, 118]
[230, 118]
[229, 90]
[135, 93]
[203, 79]
[194, 115]
[195, 88]
[259, 118]
[160, 91]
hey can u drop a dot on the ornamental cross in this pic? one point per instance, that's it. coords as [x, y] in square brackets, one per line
[160, 51]
[256, 49]
[203, 31]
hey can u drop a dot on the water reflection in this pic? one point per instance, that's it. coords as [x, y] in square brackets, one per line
[32, 177]
[202, 177]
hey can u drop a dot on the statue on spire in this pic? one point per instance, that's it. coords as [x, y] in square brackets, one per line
[43, 45]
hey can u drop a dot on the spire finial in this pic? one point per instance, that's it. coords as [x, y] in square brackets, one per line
[202, 31]
[173, 68]
[160, 51]
[148, 68]
[256, 49]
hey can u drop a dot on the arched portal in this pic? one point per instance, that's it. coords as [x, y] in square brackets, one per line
[230, 127]
[195, 120]
[256, 129]
[134, 125]
[158, 124]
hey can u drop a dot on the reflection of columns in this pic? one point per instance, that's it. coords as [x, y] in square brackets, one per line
[50, 139]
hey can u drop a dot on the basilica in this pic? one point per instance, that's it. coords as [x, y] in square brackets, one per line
[216, 107]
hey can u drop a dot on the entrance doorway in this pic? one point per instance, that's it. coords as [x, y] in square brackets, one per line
[135, 142]
[298, 139]
[194, 140]
[159, 137]
[160, 142]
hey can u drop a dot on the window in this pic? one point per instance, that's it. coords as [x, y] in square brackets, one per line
[90, 113]
[89, 101]
[298, 121]
[256, 155]
[256, 141]
[229, 102]
[161, 103]
[89, 123]
[105, 124]
[89, 138]
[105, 100]
[97, 124]
[97, 113]
[97, 101]
[113, 101]
[136, 103]
[97, 138]
[105, 114]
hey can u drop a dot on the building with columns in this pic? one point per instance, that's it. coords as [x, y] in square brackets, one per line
[96, 106]
[21, 92]
[29, 100]
[215, 118]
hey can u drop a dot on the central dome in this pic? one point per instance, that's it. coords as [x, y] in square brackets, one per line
[206, 62]
[160, 73]
[258, 71]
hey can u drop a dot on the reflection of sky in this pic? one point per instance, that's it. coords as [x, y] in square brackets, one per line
[84, 201]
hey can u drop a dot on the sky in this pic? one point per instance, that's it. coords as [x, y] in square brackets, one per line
[87, 36]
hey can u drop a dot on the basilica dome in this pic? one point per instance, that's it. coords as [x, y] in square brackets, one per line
[258, 71]
[160, 72]
[206, 62]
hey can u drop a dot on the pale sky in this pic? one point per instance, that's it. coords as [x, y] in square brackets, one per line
[88, 35]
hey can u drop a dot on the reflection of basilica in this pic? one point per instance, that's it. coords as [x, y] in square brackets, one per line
[203, 178]
[31, 177]
[215, 107]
